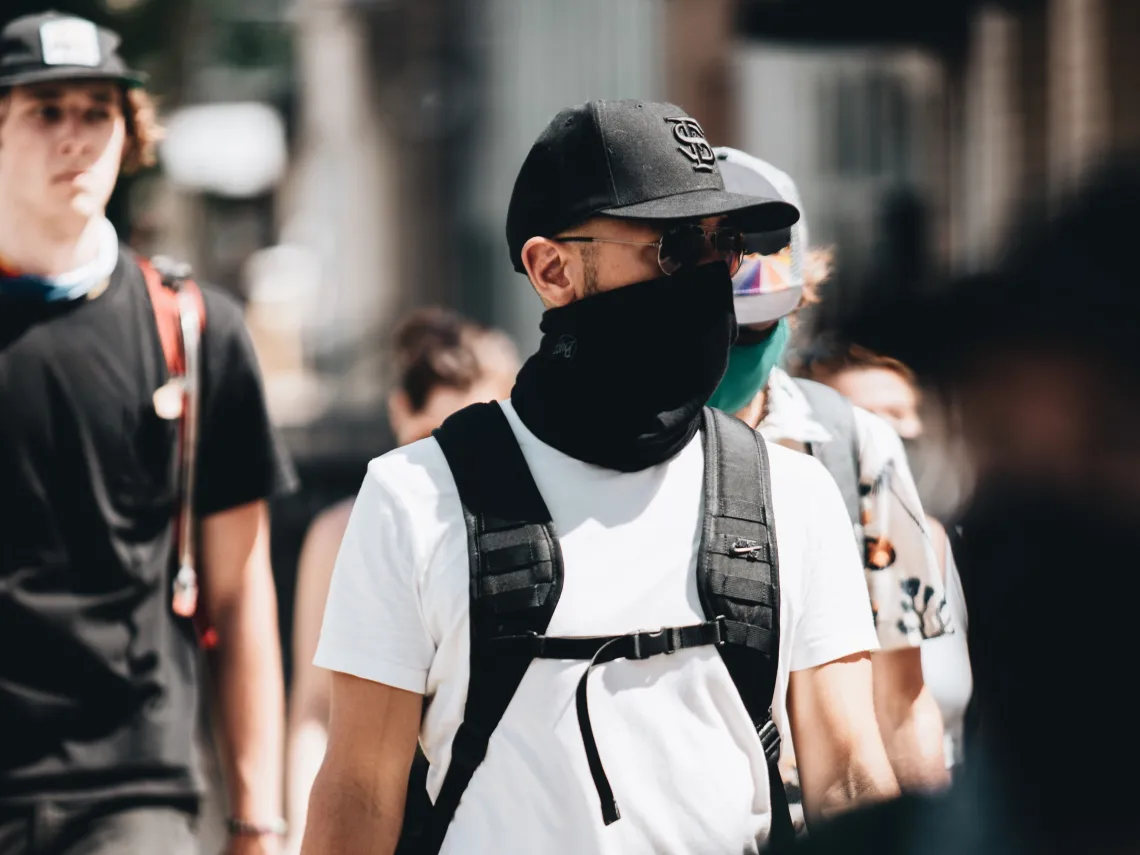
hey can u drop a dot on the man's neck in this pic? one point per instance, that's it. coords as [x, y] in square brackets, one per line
[48, 248]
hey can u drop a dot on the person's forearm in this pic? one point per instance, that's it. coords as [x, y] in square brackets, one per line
[347, 818]
[250, 701]
[862, 782]
[913, 736]
[308, 739]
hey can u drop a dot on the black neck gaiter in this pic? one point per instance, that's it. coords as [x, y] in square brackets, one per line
[620, 377]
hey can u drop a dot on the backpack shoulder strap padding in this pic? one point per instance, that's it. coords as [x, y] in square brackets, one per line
[738, 578]
[515, 579]
[738, 567]
[840, 456]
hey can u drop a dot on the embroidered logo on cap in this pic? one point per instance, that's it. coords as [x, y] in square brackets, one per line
[70, 41]
[689, 133]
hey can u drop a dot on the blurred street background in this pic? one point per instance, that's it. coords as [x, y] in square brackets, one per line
[335, 163]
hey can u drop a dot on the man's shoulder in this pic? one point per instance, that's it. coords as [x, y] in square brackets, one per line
[415, 475]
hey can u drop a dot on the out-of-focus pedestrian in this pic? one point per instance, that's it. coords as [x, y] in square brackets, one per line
[866, 458]
[1047, 389]
[888, 388]
[585, 581]
[104, 599]
[444, 363]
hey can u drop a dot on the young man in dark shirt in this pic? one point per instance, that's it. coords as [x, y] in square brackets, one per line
[98, 675]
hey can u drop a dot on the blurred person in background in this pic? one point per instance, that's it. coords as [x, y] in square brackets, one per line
[99, 681]
[485, 567]
[888, 388]
[866, 458]
[1047, 389]
[444, 363]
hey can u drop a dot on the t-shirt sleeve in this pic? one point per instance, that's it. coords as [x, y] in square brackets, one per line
[240, 456]
[903, 578]
[373, 626]
[834, 618]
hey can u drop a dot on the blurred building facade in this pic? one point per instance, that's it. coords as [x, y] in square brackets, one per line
[914, 130]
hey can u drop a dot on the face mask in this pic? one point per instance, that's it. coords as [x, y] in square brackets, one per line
[620, 377]
[749, 366]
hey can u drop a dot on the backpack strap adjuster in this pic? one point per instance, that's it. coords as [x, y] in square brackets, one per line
[721, 628]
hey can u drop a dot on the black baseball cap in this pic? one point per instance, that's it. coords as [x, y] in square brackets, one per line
[53, 46]
[632, 159]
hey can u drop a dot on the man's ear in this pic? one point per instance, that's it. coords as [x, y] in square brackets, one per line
[549, 266]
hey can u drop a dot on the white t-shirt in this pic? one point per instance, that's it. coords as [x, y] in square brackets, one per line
[686, 766]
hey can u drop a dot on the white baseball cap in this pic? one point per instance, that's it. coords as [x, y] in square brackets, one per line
[767, 286]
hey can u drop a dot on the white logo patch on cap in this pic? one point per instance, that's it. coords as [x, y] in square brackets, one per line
[70, 41]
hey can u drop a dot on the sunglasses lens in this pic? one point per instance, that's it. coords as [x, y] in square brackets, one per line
[730, 248]
[682, 248]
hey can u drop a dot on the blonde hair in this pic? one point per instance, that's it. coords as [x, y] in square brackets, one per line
[817, 270]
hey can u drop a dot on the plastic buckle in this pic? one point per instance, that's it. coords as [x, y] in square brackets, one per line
[653, 642]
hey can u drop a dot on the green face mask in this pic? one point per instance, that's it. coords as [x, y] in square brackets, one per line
[748, 369]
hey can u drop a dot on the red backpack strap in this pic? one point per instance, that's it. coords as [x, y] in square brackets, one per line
[164, 300]
[168, 289]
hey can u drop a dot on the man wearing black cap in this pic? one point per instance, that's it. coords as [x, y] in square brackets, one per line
[129, 400]
[482, 567]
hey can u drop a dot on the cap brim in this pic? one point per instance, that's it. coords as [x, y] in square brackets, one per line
[131, 79]
[749, 213]
[761, 308]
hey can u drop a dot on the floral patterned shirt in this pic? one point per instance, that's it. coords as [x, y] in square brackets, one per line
[908, 598]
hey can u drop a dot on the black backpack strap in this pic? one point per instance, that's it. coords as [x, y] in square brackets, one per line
[738, 580]
[516, 578]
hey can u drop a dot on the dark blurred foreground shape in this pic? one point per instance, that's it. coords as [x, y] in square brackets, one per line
[1041, 360]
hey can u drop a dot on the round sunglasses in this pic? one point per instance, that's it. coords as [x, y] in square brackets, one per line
[685, 246]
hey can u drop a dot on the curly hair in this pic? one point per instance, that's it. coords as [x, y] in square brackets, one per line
[142, 128]
[143, 131]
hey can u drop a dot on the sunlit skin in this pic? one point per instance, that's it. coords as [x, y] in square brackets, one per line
[61, 149]
[883, 392]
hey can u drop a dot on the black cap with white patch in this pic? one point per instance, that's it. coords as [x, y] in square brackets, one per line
[53, 46]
